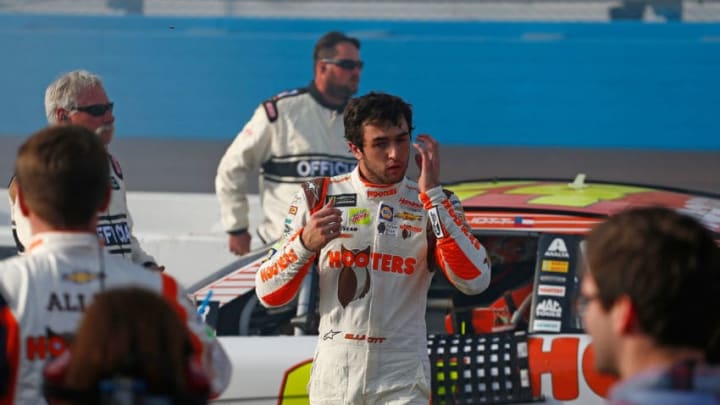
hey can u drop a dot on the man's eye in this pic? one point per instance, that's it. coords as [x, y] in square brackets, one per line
[380, 144]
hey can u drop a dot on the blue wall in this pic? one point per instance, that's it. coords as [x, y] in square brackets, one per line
[629, 85]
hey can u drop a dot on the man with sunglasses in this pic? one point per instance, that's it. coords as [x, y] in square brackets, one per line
[292, 137]
[650, 297]
[79, 98]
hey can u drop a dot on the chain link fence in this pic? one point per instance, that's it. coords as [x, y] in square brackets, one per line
[467, 10]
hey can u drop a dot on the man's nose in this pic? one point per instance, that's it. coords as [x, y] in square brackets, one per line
[393, 150]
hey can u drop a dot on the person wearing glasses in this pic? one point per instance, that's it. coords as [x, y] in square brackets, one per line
[292, 137]
[651, 293]
[79, 98]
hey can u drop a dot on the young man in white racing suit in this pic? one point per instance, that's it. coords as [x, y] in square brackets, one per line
[62, 180]
[293, 137]
[376, 237]
[79, 98]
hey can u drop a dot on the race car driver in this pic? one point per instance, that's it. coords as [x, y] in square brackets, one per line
[293, 137]
[62, 177]
[79, 98]
[376, 237]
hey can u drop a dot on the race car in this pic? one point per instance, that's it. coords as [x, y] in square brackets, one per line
[520, 341]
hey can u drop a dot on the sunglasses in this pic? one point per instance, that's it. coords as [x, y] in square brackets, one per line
[96, 110]
[346, 64]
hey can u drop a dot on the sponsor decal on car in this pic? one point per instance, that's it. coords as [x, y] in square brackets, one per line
[551, 290]
[552, 279]
[557, 248]
[555, 266]
[549, 308]
[542, 325]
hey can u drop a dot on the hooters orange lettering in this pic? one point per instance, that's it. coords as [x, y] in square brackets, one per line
[383, 193]
[282, 262]
[561, 362]
[385, 262]
[375, 260]
[448, 205]
[40, 347]
[410, 265]
[599, 383]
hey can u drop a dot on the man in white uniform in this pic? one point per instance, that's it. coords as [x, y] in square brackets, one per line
[291, 138]
[79, 98]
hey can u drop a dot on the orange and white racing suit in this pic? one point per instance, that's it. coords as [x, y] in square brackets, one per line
[373, 280]
[44, 293]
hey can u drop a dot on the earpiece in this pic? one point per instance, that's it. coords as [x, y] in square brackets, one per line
[64, 117]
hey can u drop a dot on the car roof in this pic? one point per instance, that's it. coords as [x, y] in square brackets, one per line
[554, 205]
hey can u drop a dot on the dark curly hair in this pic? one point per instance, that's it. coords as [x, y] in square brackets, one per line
[377, 109]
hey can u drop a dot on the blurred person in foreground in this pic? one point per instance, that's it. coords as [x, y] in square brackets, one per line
[651, 295]
[377, 238]
[131, 344]
[79, 98]
[292, 137]
[62, 184]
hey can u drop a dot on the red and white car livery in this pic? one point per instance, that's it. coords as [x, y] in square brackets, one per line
[532, 230]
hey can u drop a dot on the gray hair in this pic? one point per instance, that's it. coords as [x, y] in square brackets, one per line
[64, 91]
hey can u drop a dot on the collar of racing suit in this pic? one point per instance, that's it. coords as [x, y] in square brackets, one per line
[315, 93]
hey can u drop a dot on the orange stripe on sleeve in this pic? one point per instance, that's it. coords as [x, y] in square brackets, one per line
[450, 254]
[285, 294]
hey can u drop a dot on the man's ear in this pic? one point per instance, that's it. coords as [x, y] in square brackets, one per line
[356, 151]
[624, 316]
[106, 200]
[61, 115]
[24, 209]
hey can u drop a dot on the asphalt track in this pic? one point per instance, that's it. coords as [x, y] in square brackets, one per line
[189, 165]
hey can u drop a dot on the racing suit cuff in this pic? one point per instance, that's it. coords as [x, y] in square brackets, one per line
[297, 244]
[432, 197]
[238, 232]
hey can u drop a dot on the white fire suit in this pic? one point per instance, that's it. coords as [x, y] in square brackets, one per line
[373, 281]
[114, 227]
[44, 293]
[291, 138]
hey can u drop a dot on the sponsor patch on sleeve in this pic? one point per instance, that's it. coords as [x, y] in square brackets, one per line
[271, 110]
[435, 222]
[343, 200]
